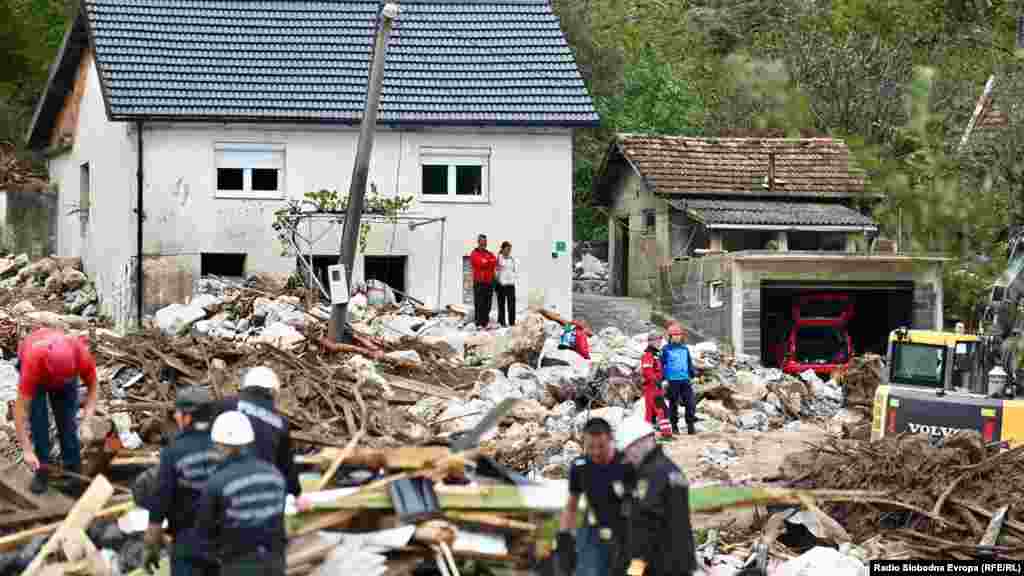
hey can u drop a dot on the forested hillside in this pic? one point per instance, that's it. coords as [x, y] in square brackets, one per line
[897, 78]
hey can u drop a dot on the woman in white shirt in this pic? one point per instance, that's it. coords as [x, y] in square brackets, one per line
[508, 272]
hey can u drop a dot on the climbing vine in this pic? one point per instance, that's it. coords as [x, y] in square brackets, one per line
[325, 201]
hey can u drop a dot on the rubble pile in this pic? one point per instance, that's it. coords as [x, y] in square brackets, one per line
[51, 291]
[939, 495]
[590, 275]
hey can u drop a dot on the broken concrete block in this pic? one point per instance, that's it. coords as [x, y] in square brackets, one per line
[278, 335]
[178, 318]
[581, 367]
[73, 279]
[559, 381]
[207, 302]
[23, 307]
[750, 385]
[494, 387]
[529, 410]
[54, 284]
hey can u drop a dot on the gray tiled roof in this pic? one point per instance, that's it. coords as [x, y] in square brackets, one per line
[770, 213]
[448, 62]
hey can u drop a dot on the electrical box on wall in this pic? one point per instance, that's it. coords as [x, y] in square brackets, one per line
[339, 286]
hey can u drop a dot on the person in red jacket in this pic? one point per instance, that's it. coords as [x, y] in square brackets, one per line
[574, 337]
[655, 410]
[484, 264]
[50, 365]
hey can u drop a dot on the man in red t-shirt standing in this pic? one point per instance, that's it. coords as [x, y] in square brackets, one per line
[51, 364]
[484, 263]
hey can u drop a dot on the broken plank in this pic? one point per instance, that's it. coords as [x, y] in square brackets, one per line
[313, 522]
[12, 541]
[490, 521]
[401, 458]
[421, 387]
[87, 507]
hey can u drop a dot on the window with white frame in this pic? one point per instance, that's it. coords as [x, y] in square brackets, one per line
[715, 290]
[249, 170]
[454, 174]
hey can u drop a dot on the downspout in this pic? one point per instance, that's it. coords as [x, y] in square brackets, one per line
[139, 215]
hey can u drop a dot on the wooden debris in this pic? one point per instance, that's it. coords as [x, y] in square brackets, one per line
[87, 507]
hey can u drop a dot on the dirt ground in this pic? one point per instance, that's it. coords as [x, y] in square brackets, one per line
[758, 456]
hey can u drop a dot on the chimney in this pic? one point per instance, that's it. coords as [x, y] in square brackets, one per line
[771, 171]
[1020, 32]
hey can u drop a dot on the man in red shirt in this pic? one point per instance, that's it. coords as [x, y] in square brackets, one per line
[50, 365]
[484, 263]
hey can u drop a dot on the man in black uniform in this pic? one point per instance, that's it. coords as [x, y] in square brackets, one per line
[241, 511]
[184, 468]
[273, 437]
[594, 476]
[659, 539]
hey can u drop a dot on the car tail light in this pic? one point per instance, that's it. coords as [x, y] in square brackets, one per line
[988, 431]
[891, 426]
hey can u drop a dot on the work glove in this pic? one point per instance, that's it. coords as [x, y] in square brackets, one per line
[153, 546]
[566, 552]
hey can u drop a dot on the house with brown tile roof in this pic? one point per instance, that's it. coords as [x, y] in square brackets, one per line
[727, 232]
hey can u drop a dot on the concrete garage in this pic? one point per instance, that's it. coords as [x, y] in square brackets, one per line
[878, 308]
[744, 299]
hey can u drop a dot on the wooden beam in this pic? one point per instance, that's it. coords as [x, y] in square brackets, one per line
[12, 541]
[87, 507]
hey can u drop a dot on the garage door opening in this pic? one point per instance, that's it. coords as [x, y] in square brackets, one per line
[878, 308]
[388, 269]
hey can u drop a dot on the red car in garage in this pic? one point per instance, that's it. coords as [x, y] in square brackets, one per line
[819, 339]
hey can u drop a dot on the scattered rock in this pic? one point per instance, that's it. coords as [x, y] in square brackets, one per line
[177, 318]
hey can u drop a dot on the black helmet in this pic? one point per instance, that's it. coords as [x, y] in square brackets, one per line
[191, 400]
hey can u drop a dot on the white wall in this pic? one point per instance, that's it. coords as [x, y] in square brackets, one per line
[109, 241]
[530, 205]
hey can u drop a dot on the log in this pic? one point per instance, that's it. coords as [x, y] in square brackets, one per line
[82, 513]
[555, 317]
[350, 349]
[345, 453]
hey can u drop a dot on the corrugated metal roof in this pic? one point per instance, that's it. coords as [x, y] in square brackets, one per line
[454, 61]
[770, 213]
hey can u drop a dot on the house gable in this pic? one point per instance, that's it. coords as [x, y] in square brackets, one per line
[55, 119]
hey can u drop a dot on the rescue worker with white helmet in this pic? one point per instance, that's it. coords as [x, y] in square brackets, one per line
[658, 540]
[273, 432]
[240, 523]
[185, 466]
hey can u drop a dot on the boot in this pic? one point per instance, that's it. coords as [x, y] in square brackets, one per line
[40, 482]
[690, 429]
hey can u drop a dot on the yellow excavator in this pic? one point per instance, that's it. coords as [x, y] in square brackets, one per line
[937, 384]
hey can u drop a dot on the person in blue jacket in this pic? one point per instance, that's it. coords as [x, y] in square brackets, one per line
[678, 365]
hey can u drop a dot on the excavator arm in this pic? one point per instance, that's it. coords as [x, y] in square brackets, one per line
[1003, 344]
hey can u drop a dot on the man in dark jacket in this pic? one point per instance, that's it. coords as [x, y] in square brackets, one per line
[184, 468]
[586, 550]
[658, 540]
[240, 524]
[273, 436]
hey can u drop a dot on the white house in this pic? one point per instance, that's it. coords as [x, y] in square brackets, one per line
[221, 111]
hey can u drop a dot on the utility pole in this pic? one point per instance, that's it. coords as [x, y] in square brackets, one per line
[361, 169]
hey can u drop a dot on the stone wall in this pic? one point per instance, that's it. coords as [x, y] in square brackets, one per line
[29, 222]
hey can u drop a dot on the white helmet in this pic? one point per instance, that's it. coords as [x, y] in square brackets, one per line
[261, 377]
[232, 428]
[631, 430]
